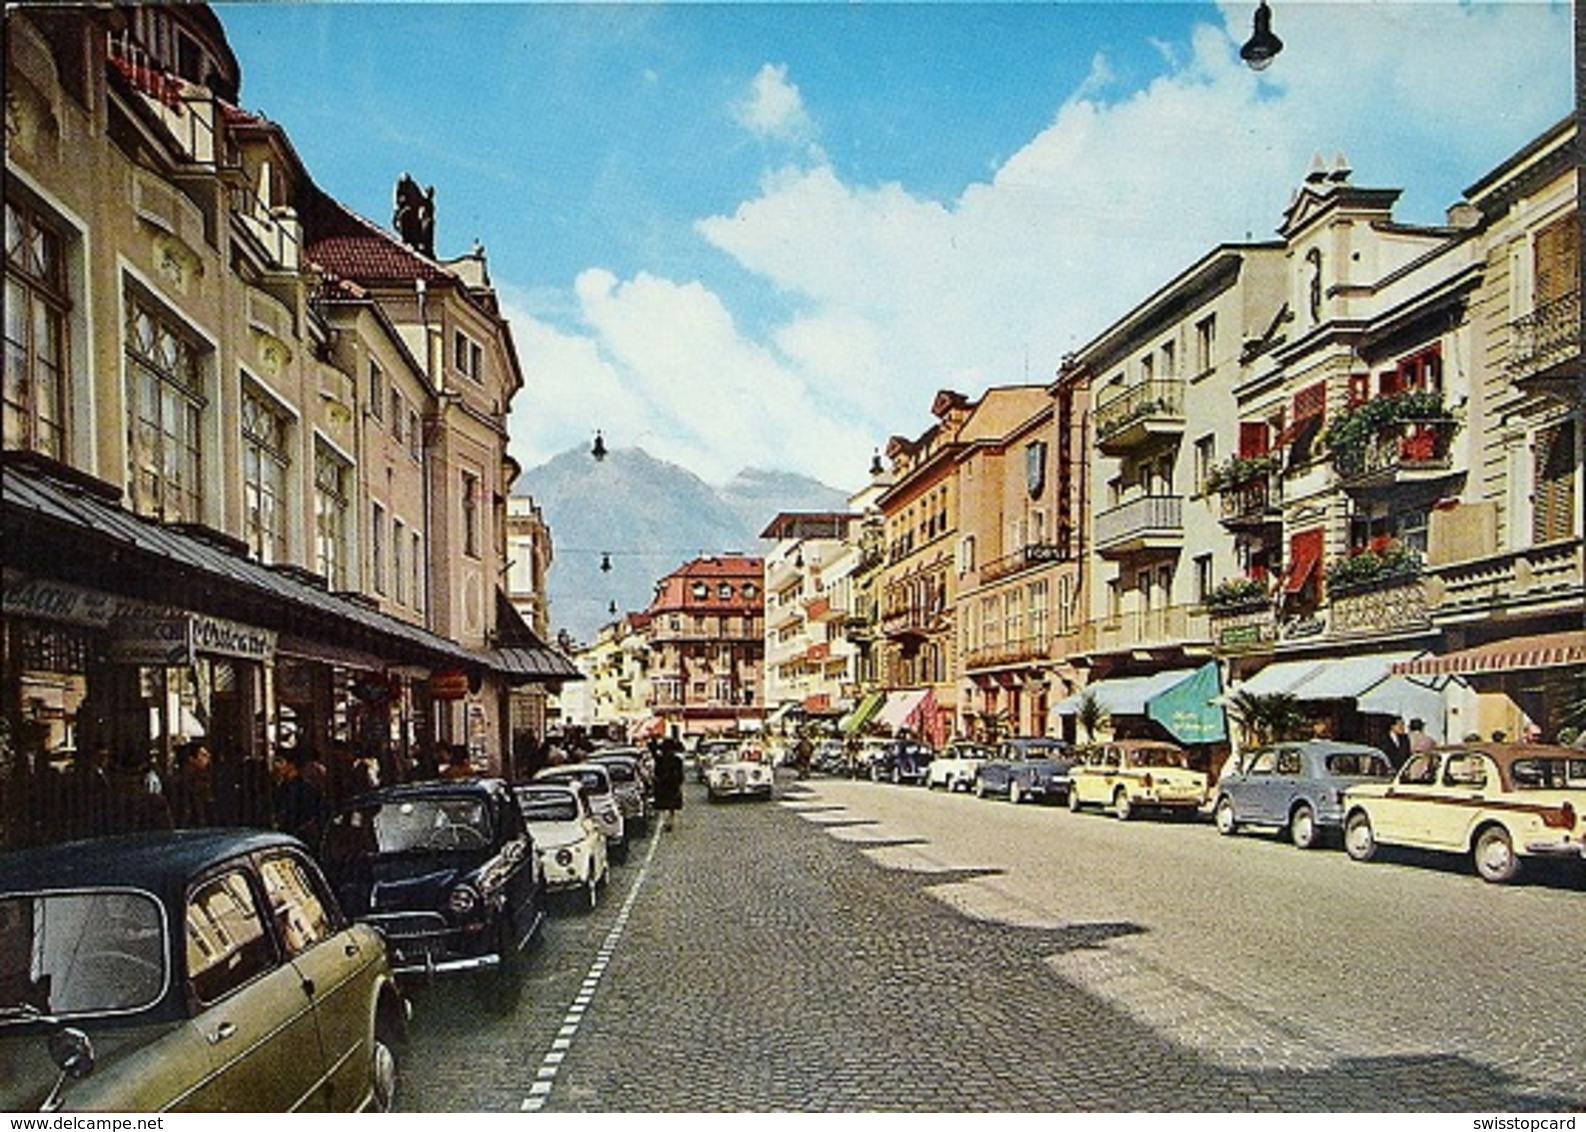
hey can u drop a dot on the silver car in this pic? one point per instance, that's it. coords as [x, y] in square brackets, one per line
[596, 781]
[1296, 787]
[633, 792]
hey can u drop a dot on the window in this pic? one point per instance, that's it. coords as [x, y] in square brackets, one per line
[468, 356]
[1313, 284]
[470, 514]
[1039, 623]
[1169, 359]
[1206, 344]
[398, 414]
[1553, 499]
[377, 546]
[265, 463]
[376, 391]
[399, 577]
[227, 944]
[332, 475]
[165, 413]
[35, 335]
[1205, 458]
[297, 908]
[1203, 577]
[416, 564]
[1556, 260]
[415, 436]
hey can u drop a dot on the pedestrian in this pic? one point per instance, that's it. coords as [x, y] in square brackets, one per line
[193, 787]
[1419, 739]
[669, 781]
[1397, 746]
[299, 806]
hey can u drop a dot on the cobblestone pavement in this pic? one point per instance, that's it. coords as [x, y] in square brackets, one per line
[817, 954]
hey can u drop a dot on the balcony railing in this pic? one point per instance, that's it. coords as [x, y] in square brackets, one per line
[1547, 336]
[1549, 574]
[1146, 628]
[1025, 558]
[1151, 520]
[1393, 605]
[1149, 408]
[1252, 503]
[1018, 651]
[1250, 625]
[1401, 451]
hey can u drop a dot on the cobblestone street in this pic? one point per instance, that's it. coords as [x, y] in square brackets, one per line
[759, 959]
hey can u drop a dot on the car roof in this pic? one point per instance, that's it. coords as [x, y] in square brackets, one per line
[160, 860]
[1509, 752]
[545, 787]
[429, 788]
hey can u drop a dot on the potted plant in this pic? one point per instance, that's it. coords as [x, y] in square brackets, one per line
[1380, 561]
[1236, 593]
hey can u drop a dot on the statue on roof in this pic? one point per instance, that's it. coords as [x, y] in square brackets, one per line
[414, 217]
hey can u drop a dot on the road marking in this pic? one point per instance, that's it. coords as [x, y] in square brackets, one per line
[545, 1076]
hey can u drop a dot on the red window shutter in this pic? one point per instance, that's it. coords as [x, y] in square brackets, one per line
[1310, 403]
[1305, 554]
[1391, 381]
[1253, 439]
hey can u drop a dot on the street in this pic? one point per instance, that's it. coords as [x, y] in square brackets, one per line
[854, 946]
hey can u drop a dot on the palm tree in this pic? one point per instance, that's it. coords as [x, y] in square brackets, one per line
[1269, 717]
[1091, 715]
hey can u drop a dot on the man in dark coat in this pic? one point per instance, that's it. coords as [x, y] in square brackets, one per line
[669, 781]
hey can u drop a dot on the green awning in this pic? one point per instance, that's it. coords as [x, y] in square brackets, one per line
[862, 714]
[1186, 709]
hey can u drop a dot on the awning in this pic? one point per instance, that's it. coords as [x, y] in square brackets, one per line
[1281, 676]
[899, 706]
[862, 714]
[1188, 709]
[1404, 699]
[652, 728]
[779, 713]
[1125, 695]
[523, 664]
[1306, 558]
[1349, 677]
[1546, 650]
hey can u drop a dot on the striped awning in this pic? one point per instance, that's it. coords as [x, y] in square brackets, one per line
[1548, 650]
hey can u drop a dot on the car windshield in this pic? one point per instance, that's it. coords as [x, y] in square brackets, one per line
[619, 772]
[592, 781]
[1359, 764]
[411, 825]
[968, 752]
[69, 954]
[548, 807]
[1156, 756]
[1548, 774]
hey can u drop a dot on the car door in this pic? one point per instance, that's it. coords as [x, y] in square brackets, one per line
[1288, 783]
[254, 1013]
[1254, 800]
[338, 968]
[1401, 814]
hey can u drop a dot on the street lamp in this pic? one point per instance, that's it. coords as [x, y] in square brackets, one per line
[599, 450]
[1263, 46]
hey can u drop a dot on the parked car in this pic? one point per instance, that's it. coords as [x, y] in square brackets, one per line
[955, 767]
[207, 970]
[902, 760]
[1033, 768]
[712, 751]
[831, 757]
[1296, 787]
[1499, 802]
[567, 837]
[631, 790]
[596, 781]
[444, 869]
[740, 776]
[1132, 775]
[869, 750]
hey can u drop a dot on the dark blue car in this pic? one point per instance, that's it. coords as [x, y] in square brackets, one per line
[1027, 768]
[902, 760]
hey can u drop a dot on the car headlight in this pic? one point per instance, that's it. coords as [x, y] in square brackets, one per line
[564, 857]
[462, 899]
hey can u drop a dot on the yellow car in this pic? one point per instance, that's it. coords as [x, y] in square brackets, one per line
[1499, 802]
[1132, 775]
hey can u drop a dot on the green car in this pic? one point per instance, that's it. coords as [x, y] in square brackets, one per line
[206, 970]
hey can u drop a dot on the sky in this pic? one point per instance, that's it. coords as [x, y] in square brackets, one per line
[766, 234]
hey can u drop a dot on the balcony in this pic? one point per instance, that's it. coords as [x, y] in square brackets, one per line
[1395, 604]
[1545, 576]
[1139, 413]
[1254, 503]
[1400, 453]
[1151, 522]
[1171, 625]
[912, 623]
[1025, 558]
[1542, 345]
[1021, 651]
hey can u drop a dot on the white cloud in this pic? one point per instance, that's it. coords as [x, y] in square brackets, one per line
[898, 295]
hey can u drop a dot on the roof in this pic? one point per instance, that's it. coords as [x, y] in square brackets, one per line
[161, 860]
[345, 244]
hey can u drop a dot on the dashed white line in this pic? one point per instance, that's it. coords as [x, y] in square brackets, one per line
[545, 1075]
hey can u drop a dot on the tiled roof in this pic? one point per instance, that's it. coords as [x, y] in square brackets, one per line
[347, 245]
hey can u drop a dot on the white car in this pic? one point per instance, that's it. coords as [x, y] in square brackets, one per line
[954, 768]
[568, 840]
[602, 795]
[745, 774]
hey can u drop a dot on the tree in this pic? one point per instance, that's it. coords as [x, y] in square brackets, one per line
[1269, 717]
[1090, 714]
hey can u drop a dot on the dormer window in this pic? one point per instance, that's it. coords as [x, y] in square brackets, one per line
[700, 591]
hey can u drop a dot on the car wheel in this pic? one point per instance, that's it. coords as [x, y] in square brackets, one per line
[1073, 800]
[383, 1070]
[1224, 817]
[1015, 792]
[1496, 859]
[980, 787]
[1121, 805]
[1360, 842]
[1302, 827]
[897, 776]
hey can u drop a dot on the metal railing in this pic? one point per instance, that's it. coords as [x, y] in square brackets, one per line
[1159, 398]
[1161, 515]
[1548, 335]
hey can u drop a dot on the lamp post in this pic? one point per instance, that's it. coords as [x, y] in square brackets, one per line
[1262, 46]
[599, 449]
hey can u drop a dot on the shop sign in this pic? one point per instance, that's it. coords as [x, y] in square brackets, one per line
[26, 596]
[219, 637]
[160, 641]
[449, 684]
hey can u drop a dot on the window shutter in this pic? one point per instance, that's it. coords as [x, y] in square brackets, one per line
[1553, 506]
[1253, 439]
[1557, 260]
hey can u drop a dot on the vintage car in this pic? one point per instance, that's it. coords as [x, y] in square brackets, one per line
[1132, 775]
[955, 767]
[709, 752]
[445, 869]
[1295, 787]
[567, 838]
[1033, 768]
[902, 760]
[1499, 802]
[745, 774]
[630, 788]
[596, 781]
[204, 970]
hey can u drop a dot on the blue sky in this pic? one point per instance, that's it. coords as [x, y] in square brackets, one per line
[766, 234]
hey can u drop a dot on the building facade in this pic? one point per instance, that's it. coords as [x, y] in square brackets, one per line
[706, 644]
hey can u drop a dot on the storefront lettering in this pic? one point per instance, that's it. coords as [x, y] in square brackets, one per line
[159, 641]
[227, 638]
